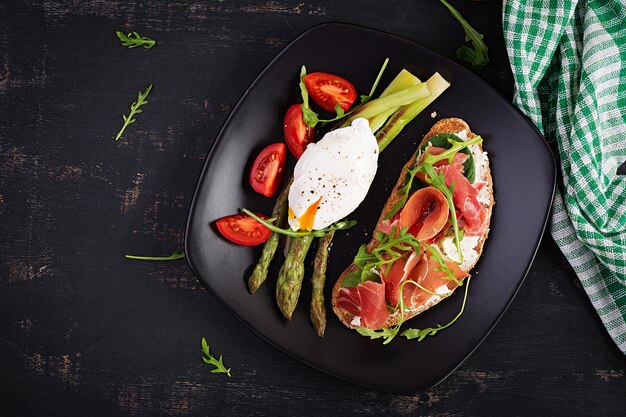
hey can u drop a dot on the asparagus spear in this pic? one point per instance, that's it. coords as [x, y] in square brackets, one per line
[436, 85]
[318, 310]
[394, 100]
[403, 80]
[259, 274]
[291, 274]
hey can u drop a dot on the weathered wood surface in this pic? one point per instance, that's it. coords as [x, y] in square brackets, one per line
[85, 332]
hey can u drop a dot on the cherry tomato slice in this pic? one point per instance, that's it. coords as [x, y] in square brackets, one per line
[268, 169]
[328, 89]
[243, 229]
[297, 134]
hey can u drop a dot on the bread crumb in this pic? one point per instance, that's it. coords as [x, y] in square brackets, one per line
[433, 114]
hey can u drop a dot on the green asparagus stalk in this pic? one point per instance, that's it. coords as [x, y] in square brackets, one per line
[436, 85]
[318, 309]
[403, 80]
[397, 99]
[291, 275]
[259, 274]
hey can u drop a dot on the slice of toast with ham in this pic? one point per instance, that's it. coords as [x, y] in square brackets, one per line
[483, 179]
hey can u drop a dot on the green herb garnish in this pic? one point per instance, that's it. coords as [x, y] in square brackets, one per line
[436, 255]
[477, 57]
[134, 109]
[210, 359]
[421, 334]
[390, 248]
[403, 192]
[289, 232]
[175, 255]
[442, 141]
[365, 99]
[452, 151]
[134, 40]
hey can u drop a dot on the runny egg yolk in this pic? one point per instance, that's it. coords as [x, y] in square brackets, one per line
[308, 217]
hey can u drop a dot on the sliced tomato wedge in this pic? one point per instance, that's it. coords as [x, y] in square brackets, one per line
[328, 90]
[425, 213]
[297, 134]
[243, 229]
[268, 169]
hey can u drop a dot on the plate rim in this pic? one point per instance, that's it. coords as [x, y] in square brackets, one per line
[241, 100]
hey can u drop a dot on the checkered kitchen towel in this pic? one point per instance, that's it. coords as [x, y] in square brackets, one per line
[569, 62]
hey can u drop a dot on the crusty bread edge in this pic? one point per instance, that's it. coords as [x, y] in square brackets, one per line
[449, 125]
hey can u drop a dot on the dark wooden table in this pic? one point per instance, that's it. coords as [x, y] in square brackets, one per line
[86, 332]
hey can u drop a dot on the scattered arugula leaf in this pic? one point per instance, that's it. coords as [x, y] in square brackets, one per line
[210, 359]
[421, 334]
[477, 57]
[134, 109]
[175, 255]
[133, 40]
[346, 224]
[365, 99]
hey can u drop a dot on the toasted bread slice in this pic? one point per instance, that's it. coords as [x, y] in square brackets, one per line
[450, 125]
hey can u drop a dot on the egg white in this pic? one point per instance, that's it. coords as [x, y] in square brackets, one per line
[340, 169]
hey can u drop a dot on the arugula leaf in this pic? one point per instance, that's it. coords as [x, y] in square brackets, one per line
[421, 334]
[133, 40]
[452, 151]
[134, 109]
[436, 255]
[442, 141]
[365, 99]
[387, 333]
[477, 57]
[404, 192]
[289, 232]
[390, 248]
[175, 255]
[211, 360]
[352, 279]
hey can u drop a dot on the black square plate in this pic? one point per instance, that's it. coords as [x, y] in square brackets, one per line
[523, 170]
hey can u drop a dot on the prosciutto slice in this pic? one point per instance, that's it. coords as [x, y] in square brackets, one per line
[395, 275]
[473, 215]
[367, 301]
[428, 274]
[425, 213]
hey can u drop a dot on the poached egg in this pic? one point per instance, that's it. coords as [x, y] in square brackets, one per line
[333, 176]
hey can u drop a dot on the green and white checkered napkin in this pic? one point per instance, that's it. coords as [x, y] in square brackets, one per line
[569, 62]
